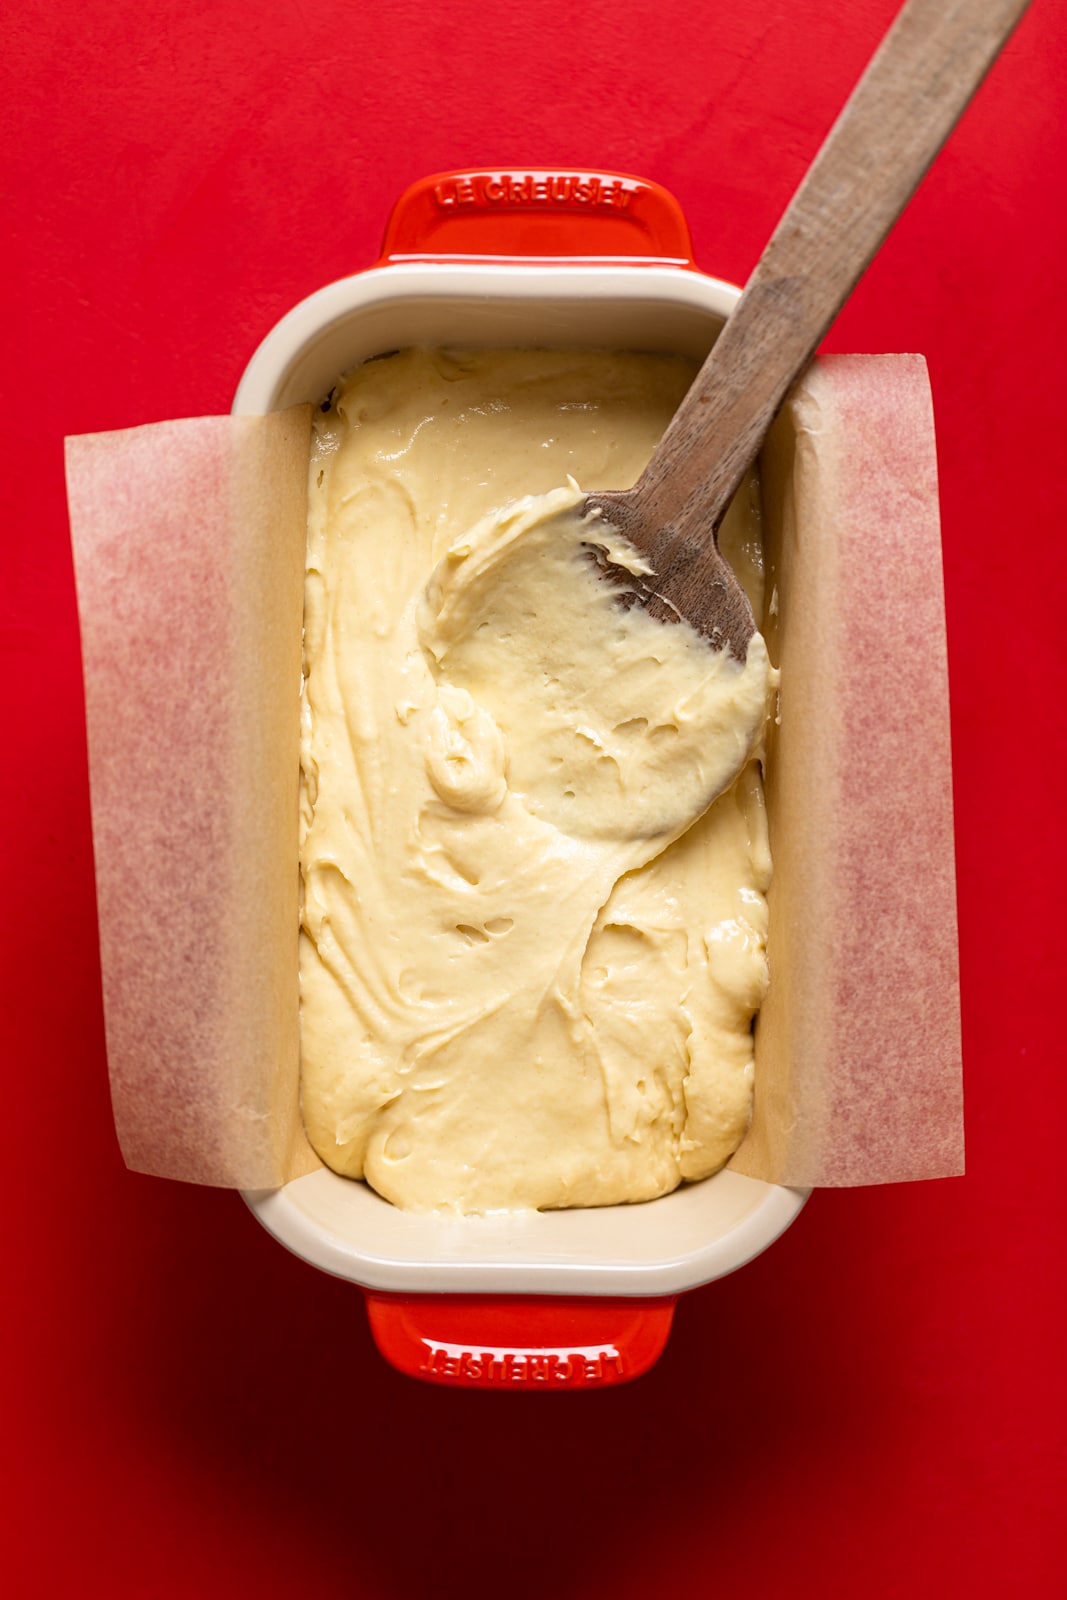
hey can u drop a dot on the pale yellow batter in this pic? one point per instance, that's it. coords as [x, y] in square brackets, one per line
[520, 987]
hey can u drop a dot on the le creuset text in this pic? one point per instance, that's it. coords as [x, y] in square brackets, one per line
[549, 1367]
[562, 189]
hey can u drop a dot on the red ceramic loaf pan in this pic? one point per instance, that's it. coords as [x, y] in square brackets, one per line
[546, 1300]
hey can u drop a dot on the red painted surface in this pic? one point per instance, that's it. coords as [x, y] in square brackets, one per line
[875, 1407]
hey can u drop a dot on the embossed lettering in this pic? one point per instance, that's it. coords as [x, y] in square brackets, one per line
[523, 189]
[431, 1362]
[590, 1364]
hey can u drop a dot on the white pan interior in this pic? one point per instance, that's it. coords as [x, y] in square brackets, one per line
[701, 1231]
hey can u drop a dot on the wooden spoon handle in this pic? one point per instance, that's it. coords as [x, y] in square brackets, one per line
[900, 113]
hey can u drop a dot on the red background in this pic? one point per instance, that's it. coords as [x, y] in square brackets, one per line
[875, 1407]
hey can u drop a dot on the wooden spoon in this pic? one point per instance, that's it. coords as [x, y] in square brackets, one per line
[900, 113]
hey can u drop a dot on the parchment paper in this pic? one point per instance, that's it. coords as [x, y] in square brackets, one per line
[188, 541]
[858, 1066]
[188, 546]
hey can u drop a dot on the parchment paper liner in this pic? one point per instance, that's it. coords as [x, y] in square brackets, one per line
[188, 544]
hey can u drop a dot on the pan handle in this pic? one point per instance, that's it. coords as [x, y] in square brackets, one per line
[537, 215]
[519, 1341]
